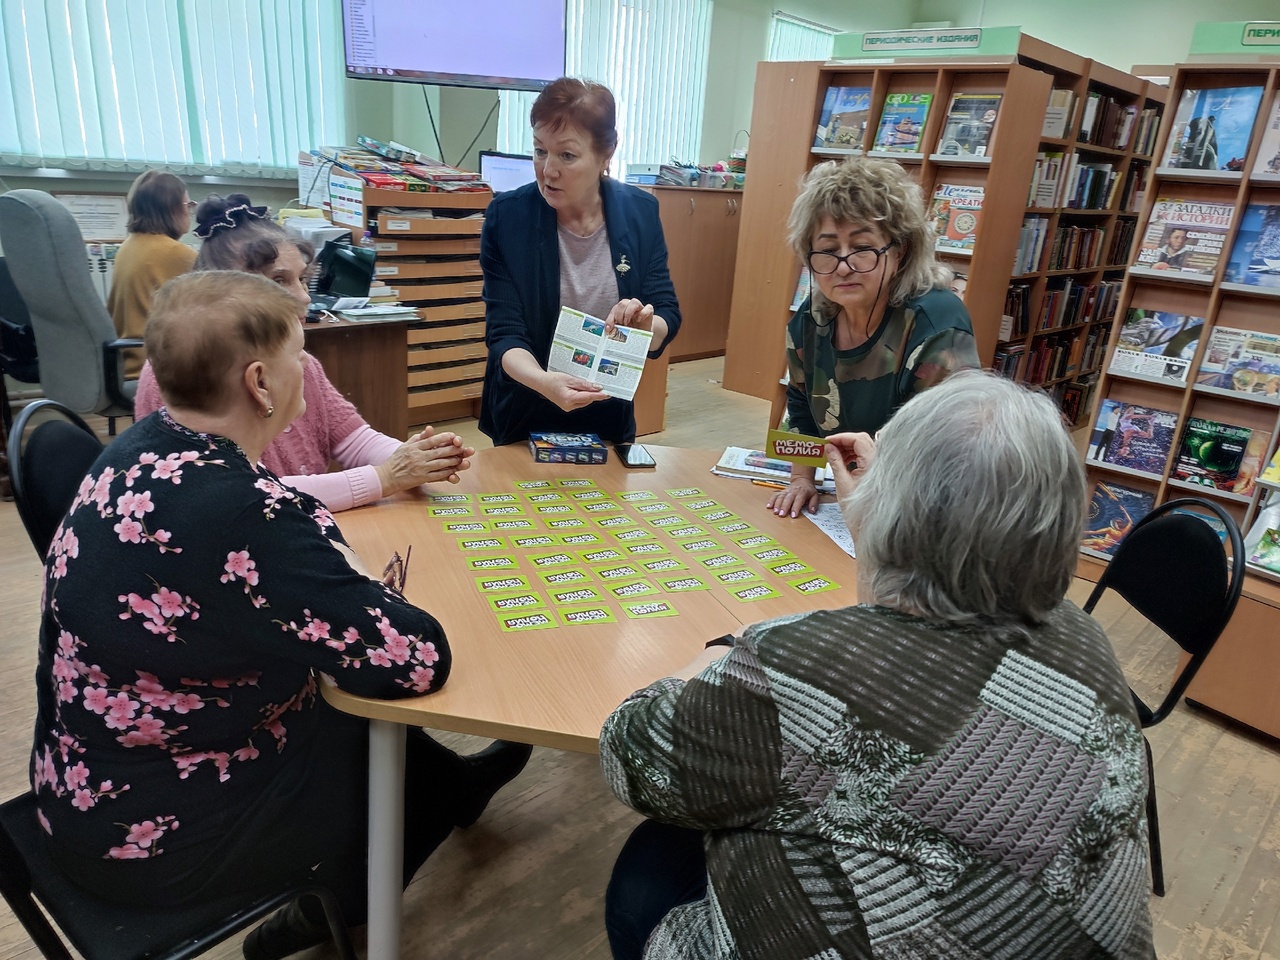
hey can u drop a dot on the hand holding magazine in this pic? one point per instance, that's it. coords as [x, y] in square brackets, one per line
[580, 347]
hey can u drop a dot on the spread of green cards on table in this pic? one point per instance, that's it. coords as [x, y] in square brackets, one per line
[566, 552]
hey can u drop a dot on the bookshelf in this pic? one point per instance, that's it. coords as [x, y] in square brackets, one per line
[787, 108]
[1220, 385]
[1078, 230]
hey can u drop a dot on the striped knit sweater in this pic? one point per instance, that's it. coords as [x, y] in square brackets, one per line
[874, 785]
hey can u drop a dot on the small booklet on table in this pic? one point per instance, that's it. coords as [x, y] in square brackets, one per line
[581, 347]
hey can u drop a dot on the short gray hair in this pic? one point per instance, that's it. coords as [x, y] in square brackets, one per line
[973, 508]
[864, 190]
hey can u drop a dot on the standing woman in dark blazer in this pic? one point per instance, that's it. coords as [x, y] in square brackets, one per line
[574, 238]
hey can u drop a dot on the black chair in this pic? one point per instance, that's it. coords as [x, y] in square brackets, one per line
[1173, 568]
[104, 931]
[17, 341]
[46, 471]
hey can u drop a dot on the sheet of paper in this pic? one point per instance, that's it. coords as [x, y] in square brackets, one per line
[580, 347]
[831, 522]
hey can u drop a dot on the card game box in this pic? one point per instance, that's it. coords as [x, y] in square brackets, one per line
[567, 448]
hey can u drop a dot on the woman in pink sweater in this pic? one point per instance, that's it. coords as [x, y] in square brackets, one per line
[239, 236]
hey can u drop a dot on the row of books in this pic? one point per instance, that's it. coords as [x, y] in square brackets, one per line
[1188, 237]
[1007, 358]
[1211, 454]
[846, 112]
[1213, 129]
[1066, 303]
[1074, 398]
[1030, 245]
[1050, 358]
[1122, 235]
[1076, 248]
[1107, 122]
[1159, 345]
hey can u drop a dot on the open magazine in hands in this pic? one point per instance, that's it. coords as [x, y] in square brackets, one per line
[580, 347]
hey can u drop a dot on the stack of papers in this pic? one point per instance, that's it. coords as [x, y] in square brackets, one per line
[377, 312]
[743, 464]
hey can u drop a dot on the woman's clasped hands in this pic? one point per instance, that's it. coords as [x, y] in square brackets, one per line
[425, 457]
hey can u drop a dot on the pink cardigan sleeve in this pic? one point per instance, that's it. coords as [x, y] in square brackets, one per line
[359, 453]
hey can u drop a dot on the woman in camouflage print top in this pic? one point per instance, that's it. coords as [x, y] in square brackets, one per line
[882, 324]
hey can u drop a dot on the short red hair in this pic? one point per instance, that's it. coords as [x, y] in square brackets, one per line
[583, 103]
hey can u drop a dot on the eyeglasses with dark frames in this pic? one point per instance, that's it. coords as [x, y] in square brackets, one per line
[397, 571]
[861, 260]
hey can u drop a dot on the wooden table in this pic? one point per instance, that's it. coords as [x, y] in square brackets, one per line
[365, 360]
[552, 687]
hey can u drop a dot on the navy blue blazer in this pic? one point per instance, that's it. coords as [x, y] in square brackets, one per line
[520, 256]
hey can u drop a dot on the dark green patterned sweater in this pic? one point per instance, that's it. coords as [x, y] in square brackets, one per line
[876, 785]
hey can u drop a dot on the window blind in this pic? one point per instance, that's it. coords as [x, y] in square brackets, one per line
[791, 39]
[232, 87]
[653, 55]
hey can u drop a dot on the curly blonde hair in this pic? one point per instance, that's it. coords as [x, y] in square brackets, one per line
[863, 190]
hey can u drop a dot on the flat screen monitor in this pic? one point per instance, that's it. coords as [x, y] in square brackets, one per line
[505, 171]
[496, 44]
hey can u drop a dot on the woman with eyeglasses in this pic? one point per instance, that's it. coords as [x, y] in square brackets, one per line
[151, 255]
[880, 323]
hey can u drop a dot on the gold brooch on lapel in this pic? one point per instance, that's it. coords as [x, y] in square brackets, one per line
[623, 266]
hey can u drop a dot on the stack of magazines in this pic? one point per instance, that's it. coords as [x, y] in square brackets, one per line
[743, 464]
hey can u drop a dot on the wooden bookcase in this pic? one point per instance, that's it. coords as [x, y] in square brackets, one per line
[1069, 310]
[1238, 678]
[787, 106]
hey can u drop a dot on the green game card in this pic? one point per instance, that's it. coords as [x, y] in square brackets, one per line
[790, 568]
[444, 498]
[579, 615]
[509, 603]
[734, 526]
[554, 509]
[756, 591]
[498, 498]
[602, 555]
[564, 578]
[546, 496]
[492, 563]
[612, 523]
[514, 523]
[812, 584]
[742, 575]
[467, 526]
[503, 510]
[482, 543]
[770, 554]
[718, 516]
[651, 548]
[664, 565]
[684, 533]
[680, 584]
[617, 573]
[632, 589]
[534, 484]
[460, 510]
[684, 493]
[530, 543]
[576, 483]
[721, 561]
[536, 620]
[563, 597]
[565, 523]
[659, 506]
[637, 496]
[633, 535]
[696, 546]
[502, 583]
[756, 540]
[583, 539]
[668, 520]
[602, 506]
[700, 506]
[649, 608]
[584, 496]
[556, 558]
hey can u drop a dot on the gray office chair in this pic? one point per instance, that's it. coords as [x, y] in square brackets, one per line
[81, 364]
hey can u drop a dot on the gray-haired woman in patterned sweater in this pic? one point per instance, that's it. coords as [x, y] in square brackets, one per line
[951, 769]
